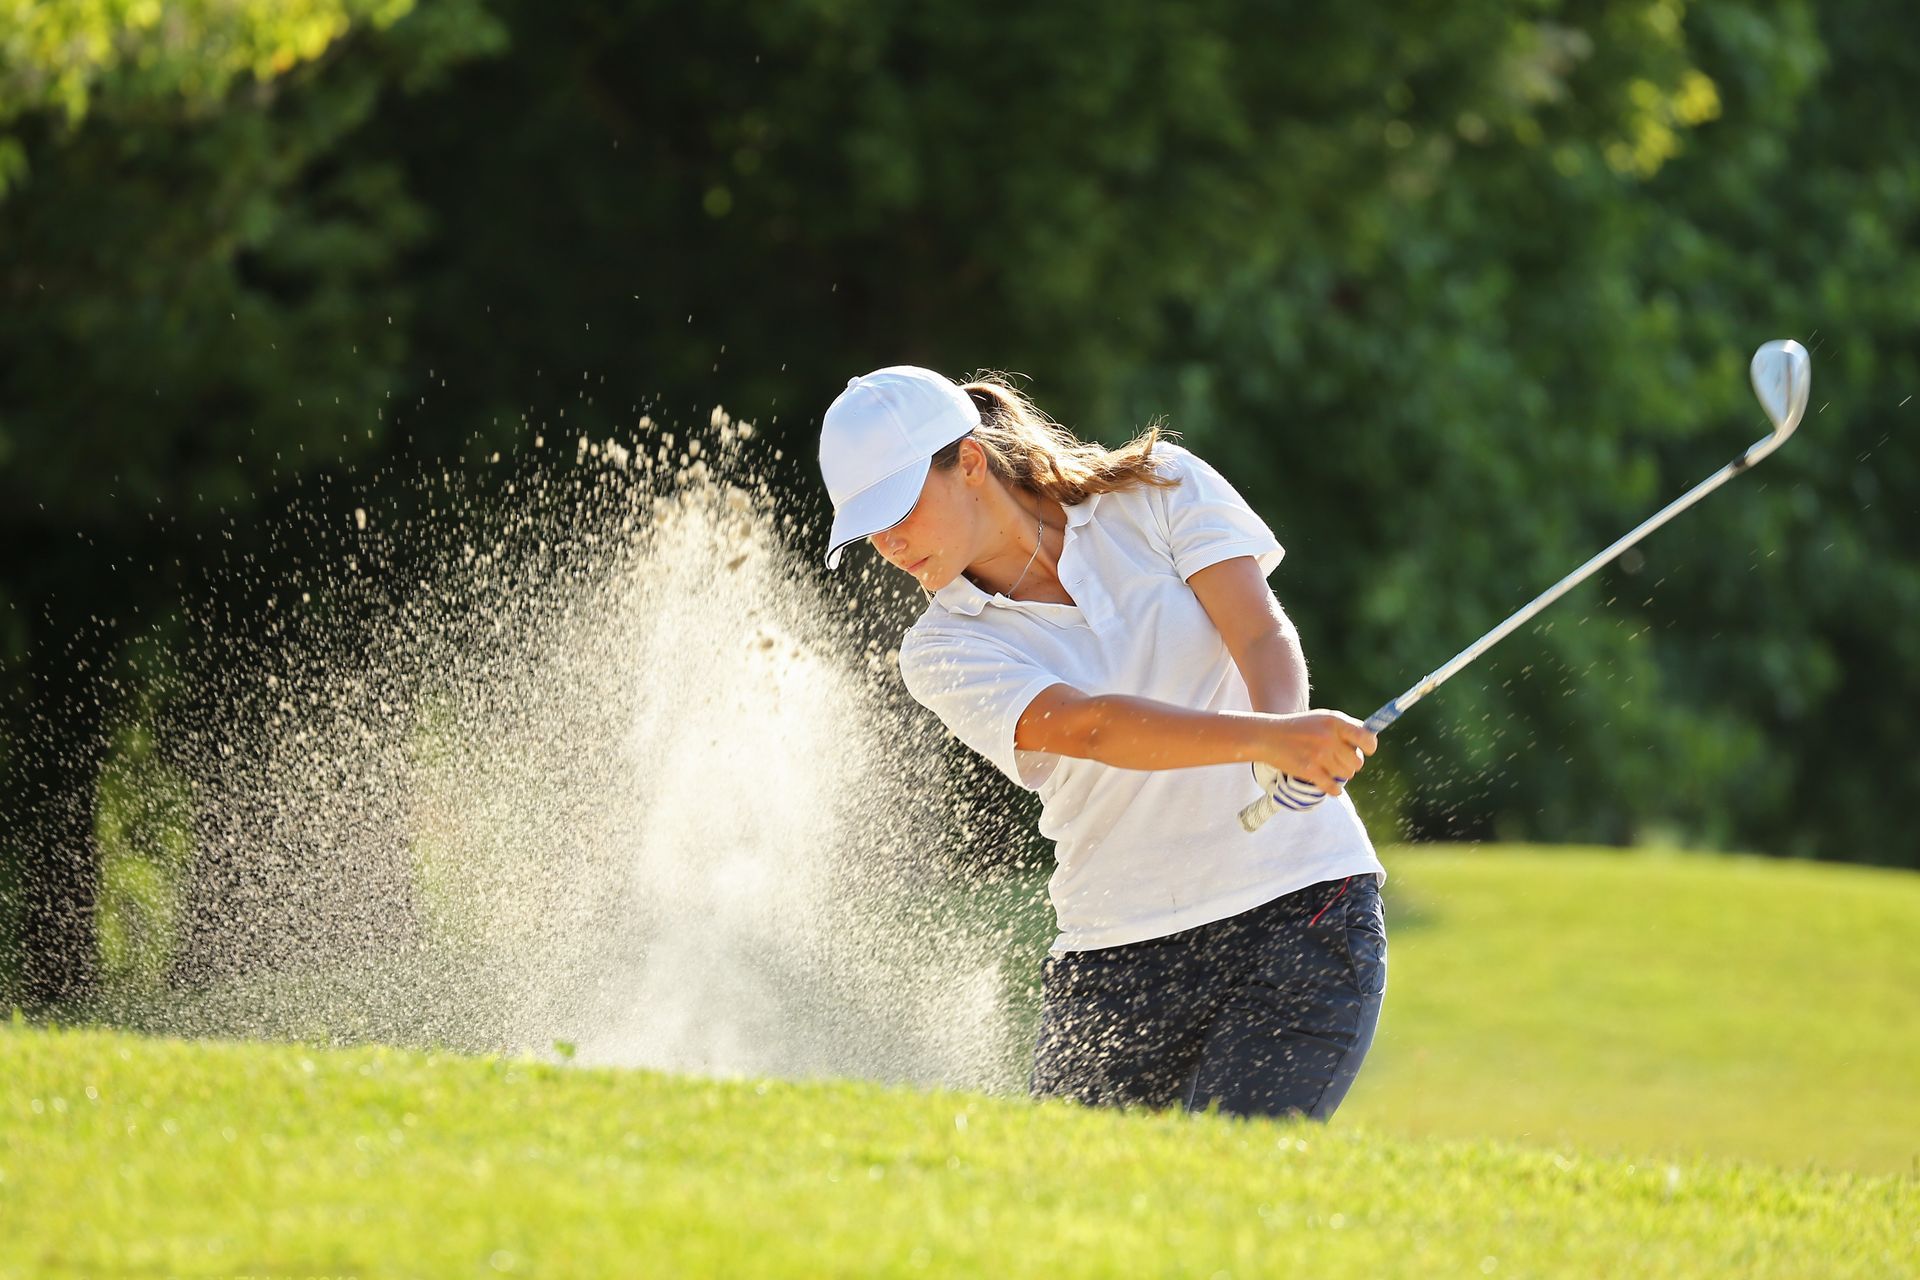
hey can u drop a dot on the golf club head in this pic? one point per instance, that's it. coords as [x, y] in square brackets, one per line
[1782, 374]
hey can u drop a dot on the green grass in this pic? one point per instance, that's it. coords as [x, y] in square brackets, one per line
[1590, 1062]
[126, 1156]
[1641, 1003]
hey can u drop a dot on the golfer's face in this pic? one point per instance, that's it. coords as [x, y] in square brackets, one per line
[925, 543]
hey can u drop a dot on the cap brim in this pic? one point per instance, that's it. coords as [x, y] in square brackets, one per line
[880, 505]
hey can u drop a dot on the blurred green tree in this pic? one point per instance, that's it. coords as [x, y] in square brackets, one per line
[200, 303]
[1448, 291]
[1456, 293]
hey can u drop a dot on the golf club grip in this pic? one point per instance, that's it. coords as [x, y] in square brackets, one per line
[1293, 793]
[1255, 815]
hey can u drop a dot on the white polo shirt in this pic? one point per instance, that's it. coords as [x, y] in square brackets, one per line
[1138, 853]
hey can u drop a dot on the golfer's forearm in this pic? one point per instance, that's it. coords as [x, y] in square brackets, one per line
[1142, 733]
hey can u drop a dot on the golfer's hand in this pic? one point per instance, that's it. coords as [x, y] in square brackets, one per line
[1324, 748]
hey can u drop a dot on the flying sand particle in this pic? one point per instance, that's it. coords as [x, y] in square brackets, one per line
[549, 794]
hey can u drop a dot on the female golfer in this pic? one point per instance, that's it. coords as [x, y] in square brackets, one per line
[1099, 627]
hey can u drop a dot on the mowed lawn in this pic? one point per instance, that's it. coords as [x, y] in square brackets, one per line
[123, 1156]
[1635, 1002]
[1642, 1004]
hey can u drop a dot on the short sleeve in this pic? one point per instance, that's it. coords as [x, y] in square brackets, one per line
[1207, 520]
[979, 688]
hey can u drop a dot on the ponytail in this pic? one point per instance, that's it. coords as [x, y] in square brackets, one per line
[1030, 451]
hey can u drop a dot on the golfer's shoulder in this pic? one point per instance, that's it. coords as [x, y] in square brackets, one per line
[937, 629]
[1171, 454]
[1183, 464]
[944, 639]
[1146, 503]
[1141, 502]
[1171, 458]
[1176, 467]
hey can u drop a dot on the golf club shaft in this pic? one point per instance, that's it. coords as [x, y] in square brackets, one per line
[1387, 714]
[1266, 806]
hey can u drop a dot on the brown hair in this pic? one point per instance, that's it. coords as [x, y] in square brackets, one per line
[1031, 452]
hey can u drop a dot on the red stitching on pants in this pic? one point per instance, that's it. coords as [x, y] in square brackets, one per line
[1330, 901]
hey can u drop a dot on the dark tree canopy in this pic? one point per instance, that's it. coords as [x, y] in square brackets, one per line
[1455, 293]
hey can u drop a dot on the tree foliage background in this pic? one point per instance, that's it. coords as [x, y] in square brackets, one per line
[1455, 293]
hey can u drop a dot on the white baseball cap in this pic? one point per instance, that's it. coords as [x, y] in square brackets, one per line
[877, 443]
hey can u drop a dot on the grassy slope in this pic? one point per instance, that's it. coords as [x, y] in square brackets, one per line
[120, 1155]
[1635, 1003]
[1641, 1003]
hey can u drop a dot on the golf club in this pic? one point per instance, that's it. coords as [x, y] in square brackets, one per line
[1782, 374]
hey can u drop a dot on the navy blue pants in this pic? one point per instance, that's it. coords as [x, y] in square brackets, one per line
[1269, 1012]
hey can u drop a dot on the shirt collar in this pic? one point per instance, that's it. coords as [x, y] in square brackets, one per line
[961, 596]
